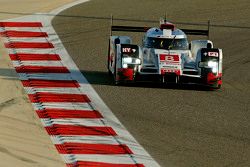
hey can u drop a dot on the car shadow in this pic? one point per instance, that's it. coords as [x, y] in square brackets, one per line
[98, 77]
[103, 78]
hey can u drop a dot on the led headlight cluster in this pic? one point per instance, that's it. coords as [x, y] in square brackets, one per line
[213, 65]
[130, 60]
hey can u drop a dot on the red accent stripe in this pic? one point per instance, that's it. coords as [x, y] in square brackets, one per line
[24, 34]
[41, 69]
[79, 130]
[42, 45]
[82, 148]
[61, 113]
[101, 164]
[20, 24]
[33, 57]
[38, 83]
[42, 97]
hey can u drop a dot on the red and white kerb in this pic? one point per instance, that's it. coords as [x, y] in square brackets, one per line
[81, 133]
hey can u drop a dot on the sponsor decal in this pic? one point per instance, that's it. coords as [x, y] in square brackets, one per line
[213, 54]
[164, 71]
[170, 66]
[128, 50]
[169, 58]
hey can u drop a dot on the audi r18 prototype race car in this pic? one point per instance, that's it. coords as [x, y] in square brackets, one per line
[165, 56]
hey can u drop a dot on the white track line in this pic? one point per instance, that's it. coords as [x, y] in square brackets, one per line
[117, 159]
[34, 51]
[31, 90]
[37, 63]
[29, 29]
[46, 76]
[15, 39]
[67, 106]
[73, 121]
[87, 139]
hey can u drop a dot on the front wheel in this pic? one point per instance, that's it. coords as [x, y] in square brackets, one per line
[115, 80]
[216, 86]
[109, 72]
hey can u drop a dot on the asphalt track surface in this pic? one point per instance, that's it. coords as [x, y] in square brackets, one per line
[185, 126]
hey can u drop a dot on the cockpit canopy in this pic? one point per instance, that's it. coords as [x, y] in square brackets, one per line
[169, 39]
[166, 43]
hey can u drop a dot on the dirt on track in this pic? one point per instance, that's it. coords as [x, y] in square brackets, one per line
[179, 126]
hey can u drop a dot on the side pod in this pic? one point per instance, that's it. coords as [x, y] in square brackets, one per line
[124, 59]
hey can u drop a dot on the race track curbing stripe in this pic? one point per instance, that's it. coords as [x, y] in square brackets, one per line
[18, 45]
[62, 113]
[20, 24]
[24, 34]
[48, 95]
[41, 69]
[34, 57]
[38, 83]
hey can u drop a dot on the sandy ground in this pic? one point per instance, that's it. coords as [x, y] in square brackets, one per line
[17, 8]
[23, 140]
[179, 127]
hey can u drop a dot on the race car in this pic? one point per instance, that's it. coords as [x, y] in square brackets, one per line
[165, 56]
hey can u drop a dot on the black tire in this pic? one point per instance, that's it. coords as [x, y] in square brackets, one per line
[216, 86]
[109, 73]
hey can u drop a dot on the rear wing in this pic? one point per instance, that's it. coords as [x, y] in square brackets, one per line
[196, 32]
[129, 28]
[145, 29]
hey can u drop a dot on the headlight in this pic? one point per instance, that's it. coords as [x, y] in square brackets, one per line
[137, 61]
[127, 60]
[130, 60]
[124, 65]
[213, 65]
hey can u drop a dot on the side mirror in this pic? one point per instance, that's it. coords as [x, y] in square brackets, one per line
[209, 45]
[189, 46]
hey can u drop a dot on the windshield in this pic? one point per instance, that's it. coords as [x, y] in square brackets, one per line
[165, 43]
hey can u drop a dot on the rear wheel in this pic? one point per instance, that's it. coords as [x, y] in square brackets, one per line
[218, 86]
[116, 82]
